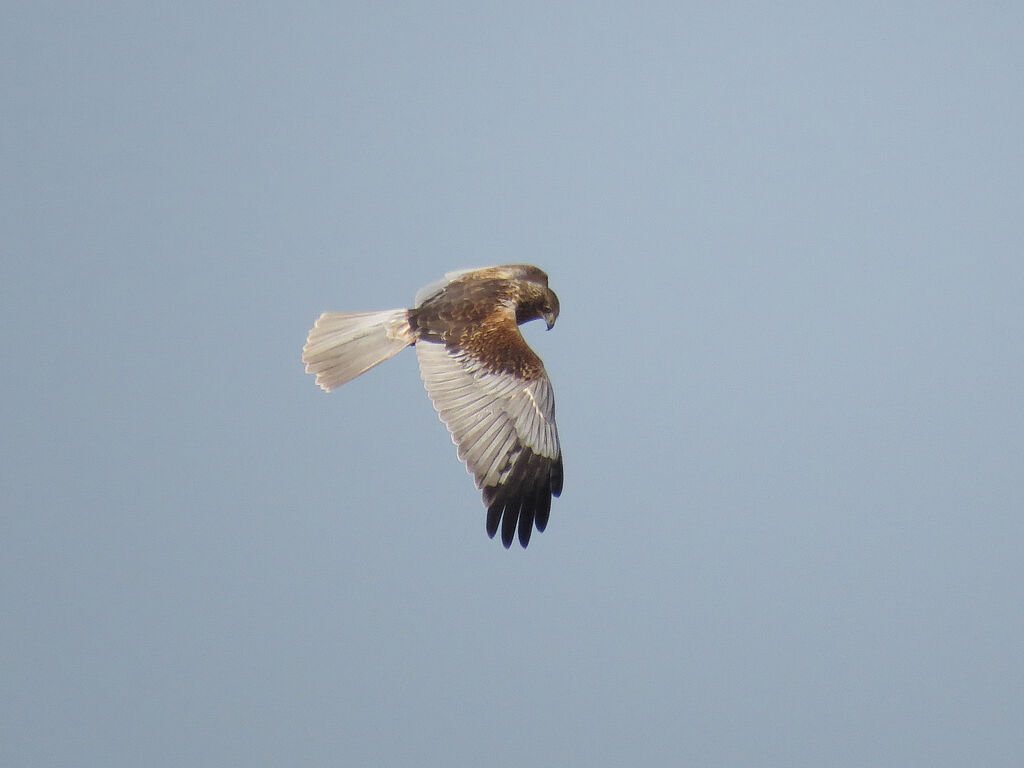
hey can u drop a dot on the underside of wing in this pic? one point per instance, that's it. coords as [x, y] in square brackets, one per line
[504, 428]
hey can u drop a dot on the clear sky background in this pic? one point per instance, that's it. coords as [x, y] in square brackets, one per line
[788, 240]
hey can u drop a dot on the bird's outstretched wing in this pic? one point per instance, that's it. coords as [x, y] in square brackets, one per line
[491, 391]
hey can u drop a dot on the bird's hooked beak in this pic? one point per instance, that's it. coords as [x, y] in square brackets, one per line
[549, 318]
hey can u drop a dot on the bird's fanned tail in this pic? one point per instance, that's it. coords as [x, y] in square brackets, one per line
[343, 345]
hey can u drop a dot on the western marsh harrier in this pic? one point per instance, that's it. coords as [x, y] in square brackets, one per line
[489, 388]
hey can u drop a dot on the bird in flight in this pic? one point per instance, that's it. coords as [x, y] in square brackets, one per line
[488, 387]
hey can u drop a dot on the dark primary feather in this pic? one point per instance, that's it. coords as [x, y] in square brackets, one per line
[524, 498]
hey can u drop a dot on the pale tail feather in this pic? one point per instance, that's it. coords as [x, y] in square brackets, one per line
[343, 345]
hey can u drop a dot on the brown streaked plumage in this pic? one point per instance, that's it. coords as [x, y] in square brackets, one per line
[488, 387]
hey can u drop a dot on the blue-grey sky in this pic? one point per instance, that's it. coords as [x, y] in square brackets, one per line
[788, 241]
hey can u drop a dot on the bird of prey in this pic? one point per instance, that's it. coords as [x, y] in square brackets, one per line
[488, 387]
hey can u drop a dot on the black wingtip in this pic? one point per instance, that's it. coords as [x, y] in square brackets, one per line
[523, 501]
[525, 527]
[493, 519]
[508, 522]
[556, 477]
[543, 509]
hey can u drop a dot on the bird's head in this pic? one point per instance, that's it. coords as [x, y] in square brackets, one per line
[534, 301]
[549, 309]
